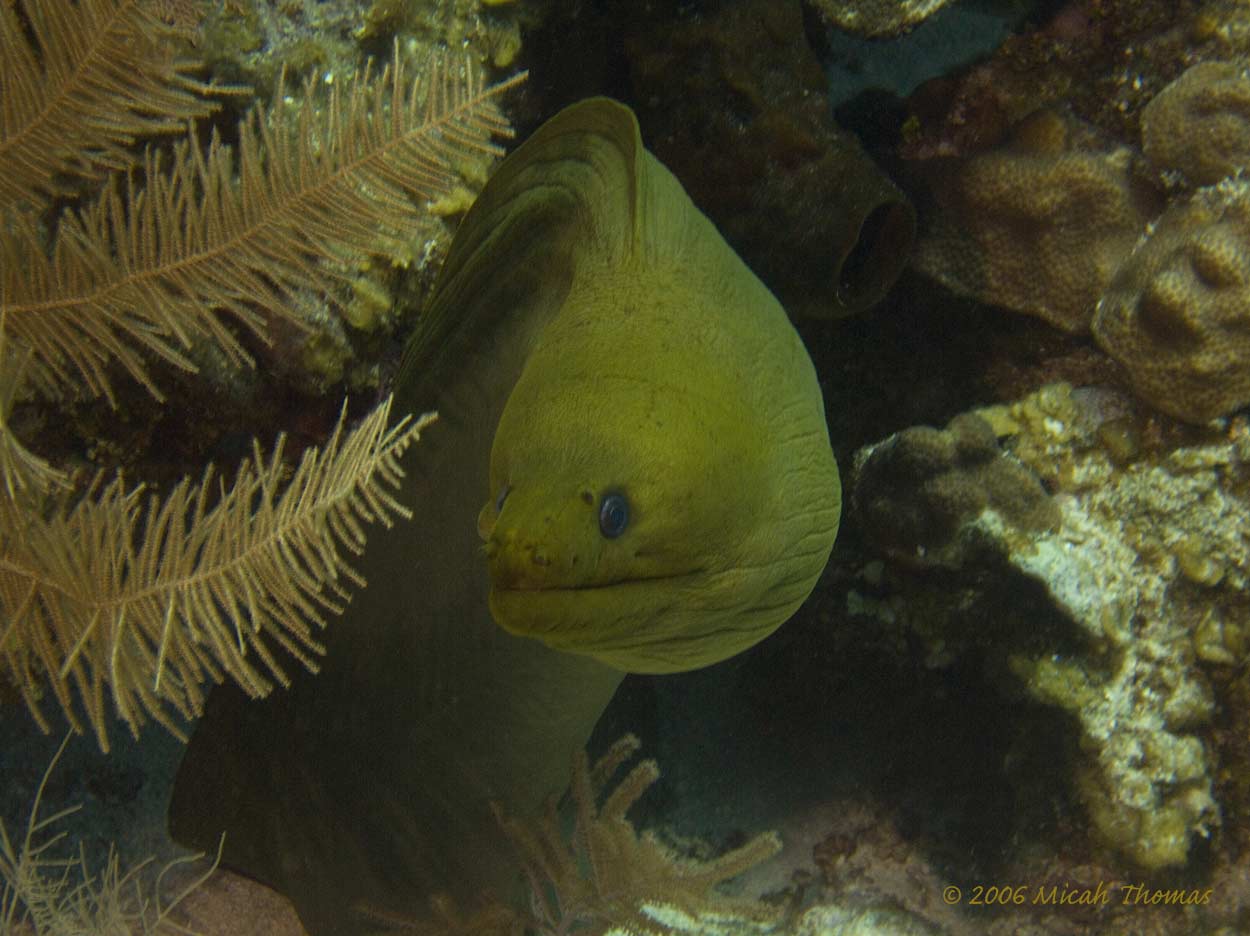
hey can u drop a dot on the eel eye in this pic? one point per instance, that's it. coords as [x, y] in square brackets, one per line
[613, 515]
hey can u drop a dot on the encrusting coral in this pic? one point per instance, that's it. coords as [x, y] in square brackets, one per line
[1067, 220]
[1177, 314]
[1144, 570]
[1039, 225]
[1125, 566]
[1057, 226]
[952, 476]
[254, 40]
[1199, 125]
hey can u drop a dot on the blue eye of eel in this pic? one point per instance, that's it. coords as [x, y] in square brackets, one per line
[613, 515]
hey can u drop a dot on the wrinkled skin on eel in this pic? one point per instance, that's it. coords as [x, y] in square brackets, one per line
[631, 473]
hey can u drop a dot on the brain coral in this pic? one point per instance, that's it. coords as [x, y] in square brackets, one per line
[1038, 226]
[1177, 315]
[1199, 125]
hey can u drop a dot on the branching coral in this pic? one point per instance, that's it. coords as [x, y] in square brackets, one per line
[604, 877]
[103, 599]
[109, 599]
[611, 877]
[98, 76]
[152, 269]
[57, 896]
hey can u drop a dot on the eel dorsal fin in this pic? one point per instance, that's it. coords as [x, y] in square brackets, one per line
[368, 784]
[566, 198]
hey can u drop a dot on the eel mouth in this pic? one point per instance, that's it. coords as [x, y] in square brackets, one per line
[661, 624]
[631, 582]
[586, 612]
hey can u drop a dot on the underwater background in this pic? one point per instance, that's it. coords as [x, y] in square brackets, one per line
[1013, 237]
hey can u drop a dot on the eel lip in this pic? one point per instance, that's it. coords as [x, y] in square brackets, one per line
[635, 582]
[547, 610]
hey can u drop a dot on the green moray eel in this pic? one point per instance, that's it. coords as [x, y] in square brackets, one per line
[631, 473]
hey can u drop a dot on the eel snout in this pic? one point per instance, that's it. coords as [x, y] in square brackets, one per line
[520, 562]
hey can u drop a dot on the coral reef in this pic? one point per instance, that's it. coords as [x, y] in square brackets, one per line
[1101, 61]
[865, 861]
[600, 876]
[878, 17]
[838, 230]
[1119, 620]
[47, 890]
[253, 41]
[1177, 314]
[1086, 559]
[951, 477]
[897, 65]
[1038, 226]
[110, 605]
[1150, 561]
[1145, 568]
[1199, 125]
[1049, 223]
[869, 859]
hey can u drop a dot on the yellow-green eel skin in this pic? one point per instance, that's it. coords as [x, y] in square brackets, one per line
[631, 473]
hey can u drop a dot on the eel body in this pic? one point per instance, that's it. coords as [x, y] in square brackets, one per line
[630, 473]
